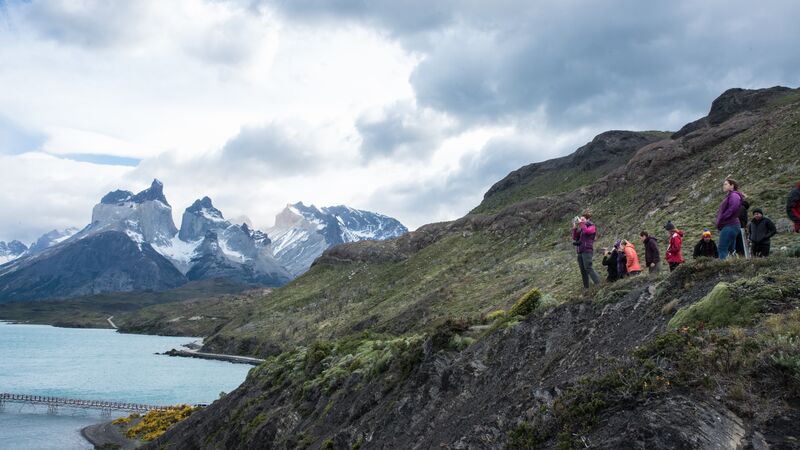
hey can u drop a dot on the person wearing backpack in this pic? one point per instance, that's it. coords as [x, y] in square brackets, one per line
[651, 254]
[741, 248]
[793, 207]
[674, 255]
[622, 263]
[761, 229]
[583, 235]
[631, 258]
[728, 218]
[706, 247]
[610, 261]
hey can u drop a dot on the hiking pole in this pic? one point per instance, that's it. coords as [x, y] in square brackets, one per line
[745, 245]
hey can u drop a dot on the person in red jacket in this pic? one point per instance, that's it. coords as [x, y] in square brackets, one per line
[793, 207]
[674, 256]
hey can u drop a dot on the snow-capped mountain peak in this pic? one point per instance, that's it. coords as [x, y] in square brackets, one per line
[301, 233]
[11, 251]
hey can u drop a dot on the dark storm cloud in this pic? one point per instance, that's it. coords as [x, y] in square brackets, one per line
[401, 130]
[582, 62]
[398, 17]
[270, 148]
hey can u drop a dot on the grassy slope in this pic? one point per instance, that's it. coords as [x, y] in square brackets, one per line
[469, 274]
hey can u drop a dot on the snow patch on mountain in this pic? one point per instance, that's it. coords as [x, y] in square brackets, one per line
[301, 233]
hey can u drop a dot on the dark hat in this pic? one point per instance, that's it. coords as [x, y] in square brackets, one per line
[758, 210]
[669, 226]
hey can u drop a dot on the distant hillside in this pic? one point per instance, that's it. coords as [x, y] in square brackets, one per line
[92, 311]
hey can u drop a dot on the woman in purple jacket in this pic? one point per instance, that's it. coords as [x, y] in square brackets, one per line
[728, 218]
[583, 234]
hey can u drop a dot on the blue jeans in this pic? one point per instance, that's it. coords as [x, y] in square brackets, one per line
[727, 240]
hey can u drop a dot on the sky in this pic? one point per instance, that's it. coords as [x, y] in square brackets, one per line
[408, 108]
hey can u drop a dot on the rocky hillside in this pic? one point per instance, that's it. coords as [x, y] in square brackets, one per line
[397, 343]
[623, 370]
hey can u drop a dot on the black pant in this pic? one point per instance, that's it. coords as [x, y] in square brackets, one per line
[585, 264]
[673, 266]
[761, 249]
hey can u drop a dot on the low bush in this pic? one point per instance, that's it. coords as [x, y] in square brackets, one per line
[720, 308]
[526, 304]
[156, 422]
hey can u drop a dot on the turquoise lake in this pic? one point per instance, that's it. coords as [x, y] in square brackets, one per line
[95, 364]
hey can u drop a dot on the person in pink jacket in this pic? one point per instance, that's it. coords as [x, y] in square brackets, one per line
[583, 235]
[674, 255]
[631, 258]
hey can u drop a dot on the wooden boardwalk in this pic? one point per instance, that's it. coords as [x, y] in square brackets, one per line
[53, 403]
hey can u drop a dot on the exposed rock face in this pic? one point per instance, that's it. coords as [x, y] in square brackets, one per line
[301, 233]
[213, 247]
[732, 102]
[251, 266]
[199, 219]
[145, 217]
[104, 262]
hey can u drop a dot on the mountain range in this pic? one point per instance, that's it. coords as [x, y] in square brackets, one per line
[133, 244]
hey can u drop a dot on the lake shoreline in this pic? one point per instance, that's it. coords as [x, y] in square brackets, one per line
[105, 433]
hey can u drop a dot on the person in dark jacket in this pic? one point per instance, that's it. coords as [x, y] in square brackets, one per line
[728, 218]
[741, 250]
[652, 259]
[583, 234]
[610, 261]
[793, 207]
[760, 230]
[622, 261]
[706, 247]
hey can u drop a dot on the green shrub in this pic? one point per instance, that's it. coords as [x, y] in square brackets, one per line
[720, 308]
[494, 315]
[526, 304]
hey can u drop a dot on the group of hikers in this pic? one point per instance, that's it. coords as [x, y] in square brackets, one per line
[737, 237]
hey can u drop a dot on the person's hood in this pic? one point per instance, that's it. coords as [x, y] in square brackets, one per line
[629, 244]
[679, 233]
[651, 237]
[739, 194]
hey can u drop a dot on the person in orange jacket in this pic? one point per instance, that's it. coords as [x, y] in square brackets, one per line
[674, 255]
[632, 259]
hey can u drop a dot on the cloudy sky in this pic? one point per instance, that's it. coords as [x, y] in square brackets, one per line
[410, 108]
